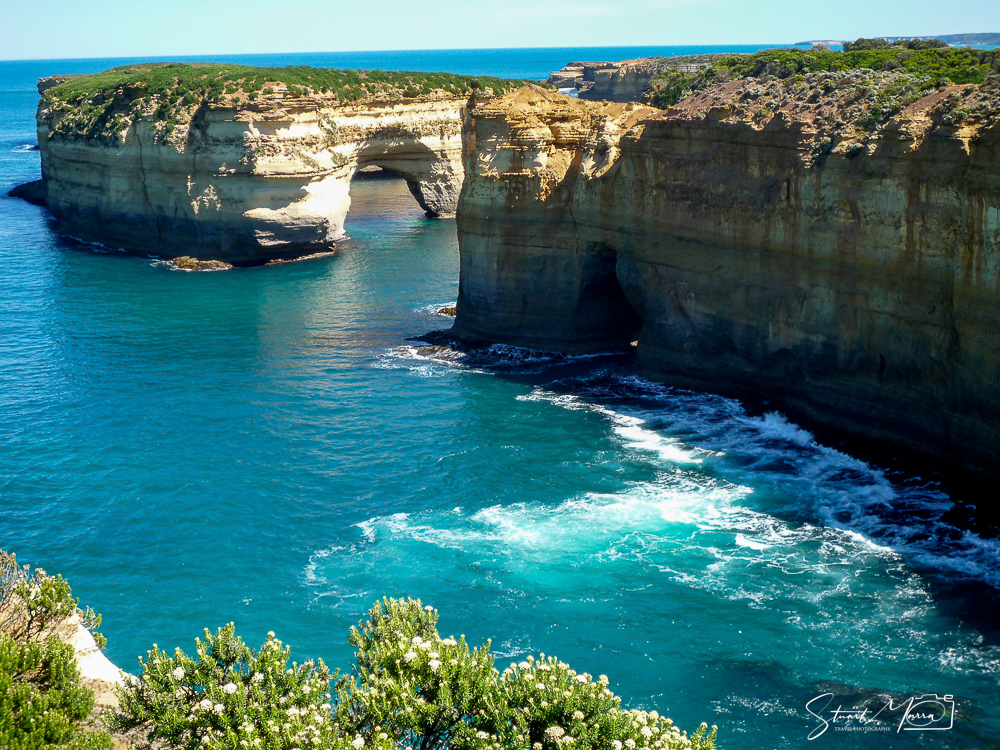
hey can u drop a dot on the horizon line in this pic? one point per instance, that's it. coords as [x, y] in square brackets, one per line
[425, 49]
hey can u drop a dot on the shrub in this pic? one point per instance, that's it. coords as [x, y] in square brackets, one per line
[410, 688]
[229, 696]
[428, 693]
[42, 702]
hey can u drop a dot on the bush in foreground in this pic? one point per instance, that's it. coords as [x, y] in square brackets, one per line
[410, 688]
[42, 702]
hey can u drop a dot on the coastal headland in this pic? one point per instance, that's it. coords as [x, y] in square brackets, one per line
[820, 229]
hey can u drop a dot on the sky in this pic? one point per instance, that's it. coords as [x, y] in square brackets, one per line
[60, 29]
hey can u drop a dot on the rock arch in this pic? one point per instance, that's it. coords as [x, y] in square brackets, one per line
[250, 185]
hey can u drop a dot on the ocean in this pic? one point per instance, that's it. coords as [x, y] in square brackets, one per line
[271, 446]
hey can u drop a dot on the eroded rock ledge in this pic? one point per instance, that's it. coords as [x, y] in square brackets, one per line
[754, 240]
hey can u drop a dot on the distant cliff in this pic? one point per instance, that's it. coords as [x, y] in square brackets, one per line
[793, 239]
[241, 165]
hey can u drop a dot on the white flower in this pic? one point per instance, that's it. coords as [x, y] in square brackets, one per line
[325, 706]
[293, 712]
[434, 663]
[178, 673]
[229, 688]
[524, 665]
[629, 743]
[205, 704]
[434, 655]
[449, 642]
[482, 735]
[410, 656]
[205, 740]
[578, 715]
[358, 741]
[218, 708]
[429, 608]
[646, 732]
[257, 677]
[540, 686]
[581, 678]
[555, 732]
[616, 744]
[425, 645]
[417, 640]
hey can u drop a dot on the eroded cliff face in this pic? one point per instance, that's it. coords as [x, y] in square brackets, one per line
[754, 240]
[248, 182]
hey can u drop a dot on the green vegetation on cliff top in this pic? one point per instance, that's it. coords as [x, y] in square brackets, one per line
[103, 105]
[951, 65]
[191, 81]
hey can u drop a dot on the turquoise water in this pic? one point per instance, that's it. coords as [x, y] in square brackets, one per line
[267, 446]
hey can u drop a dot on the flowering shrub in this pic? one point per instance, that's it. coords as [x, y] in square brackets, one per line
[229, 696]
[42, 702]
[553, 706]
[428, 692]
[410, 688]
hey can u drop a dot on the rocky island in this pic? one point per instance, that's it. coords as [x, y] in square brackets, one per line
[241, 165]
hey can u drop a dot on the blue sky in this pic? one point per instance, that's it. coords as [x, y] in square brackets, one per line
[121, 28]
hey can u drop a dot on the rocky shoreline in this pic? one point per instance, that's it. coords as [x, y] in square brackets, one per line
[758, 240]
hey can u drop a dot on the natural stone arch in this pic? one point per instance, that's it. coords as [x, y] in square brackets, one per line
[432, 171]
[250, 184]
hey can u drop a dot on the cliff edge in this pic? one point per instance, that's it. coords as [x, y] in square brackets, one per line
[830, 242]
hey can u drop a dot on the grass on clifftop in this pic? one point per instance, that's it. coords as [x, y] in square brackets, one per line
[103, 105]
[215, 80]
[948, 64]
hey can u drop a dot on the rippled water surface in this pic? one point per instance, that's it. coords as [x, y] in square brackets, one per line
[266, 446]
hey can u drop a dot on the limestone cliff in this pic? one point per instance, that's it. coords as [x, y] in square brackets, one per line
[774, 238]
[625, 81]
[235, 177]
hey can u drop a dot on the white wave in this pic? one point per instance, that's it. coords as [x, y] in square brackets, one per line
[859, 508]
[777, 425]
[629, 428]
[742, 541]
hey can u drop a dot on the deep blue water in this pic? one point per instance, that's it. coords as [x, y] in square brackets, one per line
[266, 446]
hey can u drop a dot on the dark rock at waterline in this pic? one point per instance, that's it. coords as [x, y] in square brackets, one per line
[451, 312]
[33, 192]
[187, 263]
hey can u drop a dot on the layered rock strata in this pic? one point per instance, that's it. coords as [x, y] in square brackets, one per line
[625, 81]
[756, 239]
[248, 182]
